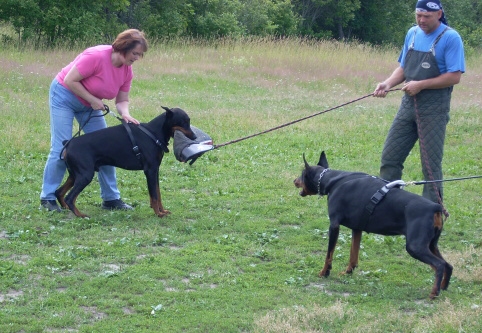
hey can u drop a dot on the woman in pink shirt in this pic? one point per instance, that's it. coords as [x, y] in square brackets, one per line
[99, 72]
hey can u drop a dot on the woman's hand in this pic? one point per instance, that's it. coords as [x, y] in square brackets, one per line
[129, 119]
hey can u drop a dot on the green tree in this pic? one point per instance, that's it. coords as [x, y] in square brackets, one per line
[466, 17]
[284, 17]
[214, 18]
[158, 18]
[51, 21]
[326, 18]
[380, 22]
[73, 22]
[267, 17]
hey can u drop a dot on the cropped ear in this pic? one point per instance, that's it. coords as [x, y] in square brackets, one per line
[306, 163]
[168, 111]
[323, 162]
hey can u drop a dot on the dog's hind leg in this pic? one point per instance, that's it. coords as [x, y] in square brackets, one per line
[423, 253]
[80, 183]
[356, 236]
[438, 224]
[62, 191]
[332, 239]
[447, 269]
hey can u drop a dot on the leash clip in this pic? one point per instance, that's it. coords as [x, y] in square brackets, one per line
[379, 195]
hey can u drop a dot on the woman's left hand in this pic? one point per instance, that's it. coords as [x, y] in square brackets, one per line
[129, 119]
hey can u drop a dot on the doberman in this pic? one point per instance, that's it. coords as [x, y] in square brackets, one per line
[366, 203]
[127, 146]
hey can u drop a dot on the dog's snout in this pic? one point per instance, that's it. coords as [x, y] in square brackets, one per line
[297, 182]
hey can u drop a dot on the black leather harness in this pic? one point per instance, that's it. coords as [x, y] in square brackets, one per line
[135, 148]
[377, 198]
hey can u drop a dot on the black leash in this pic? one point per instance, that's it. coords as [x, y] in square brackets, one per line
[106, 109]
[297, 121]
[422, 182]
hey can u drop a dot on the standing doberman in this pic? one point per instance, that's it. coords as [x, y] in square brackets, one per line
[366, 203]
[127, 146]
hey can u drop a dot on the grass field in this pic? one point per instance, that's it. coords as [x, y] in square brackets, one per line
[241, 250]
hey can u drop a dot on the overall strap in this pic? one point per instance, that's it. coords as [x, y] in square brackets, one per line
[432, 48]
[412, 45]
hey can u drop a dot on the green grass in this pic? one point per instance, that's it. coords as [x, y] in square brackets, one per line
[241, 250]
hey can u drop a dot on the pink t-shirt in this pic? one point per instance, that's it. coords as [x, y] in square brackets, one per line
[100, 77]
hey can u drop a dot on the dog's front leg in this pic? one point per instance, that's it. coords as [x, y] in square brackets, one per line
[356, 236]
[332, 239]
[155, 192]
[159, 202]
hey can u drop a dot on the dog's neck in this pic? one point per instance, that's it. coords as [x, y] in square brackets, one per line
[322, 173]
[328, 182]
[159, 126]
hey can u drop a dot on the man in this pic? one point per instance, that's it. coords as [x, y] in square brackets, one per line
[431, 63]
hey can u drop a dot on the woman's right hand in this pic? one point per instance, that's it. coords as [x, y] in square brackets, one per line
[97, 104]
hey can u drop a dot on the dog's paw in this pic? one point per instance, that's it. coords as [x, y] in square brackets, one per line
[349, 270]
[324, 273]
[163, 213]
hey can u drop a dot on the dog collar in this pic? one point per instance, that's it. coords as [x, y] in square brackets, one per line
[319, 180]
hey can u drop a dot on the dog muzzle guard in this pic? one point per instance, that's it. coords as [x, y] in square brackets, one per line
[186, 149]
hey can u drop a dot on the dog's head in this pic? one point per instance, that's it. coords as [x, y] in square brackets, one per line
[308, 180]
[178, 120]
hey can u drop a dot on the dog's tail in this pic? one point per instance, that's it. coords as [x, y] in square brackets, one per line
[62, 152]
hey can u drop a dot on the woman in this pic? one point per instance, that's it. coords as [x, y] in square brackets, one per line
[100, 72]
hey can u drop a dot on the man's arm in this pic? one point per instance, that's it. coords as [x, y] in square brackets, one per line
[395, 79]
[442, 81]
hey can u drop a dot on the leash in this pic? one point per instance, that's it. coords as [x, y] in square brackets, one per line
[422, 182]
[296, 121]
[106, 109]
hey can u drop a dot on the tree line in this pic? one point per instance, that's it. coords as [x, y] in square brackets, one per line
[48, 23]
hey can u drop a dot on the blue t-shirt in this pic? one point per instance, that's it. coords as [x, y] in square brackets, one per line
[449, 51]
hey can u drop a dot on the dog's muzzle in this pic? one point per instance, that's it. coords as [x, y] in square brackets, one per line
[299, 184]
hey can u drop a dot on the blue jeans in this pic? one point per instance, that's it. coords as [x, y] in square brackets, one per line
[64, 106]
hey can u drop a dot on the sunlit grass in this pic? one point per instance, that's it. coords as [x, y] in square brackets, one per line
[241, 250]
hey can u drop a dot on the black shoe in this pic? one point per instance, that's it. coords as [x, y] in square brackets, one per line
[50, 205]
[116, 204]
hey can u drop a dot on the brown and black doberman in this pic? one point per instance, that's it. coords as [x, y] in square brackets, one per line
[127, 146]
[366, 203]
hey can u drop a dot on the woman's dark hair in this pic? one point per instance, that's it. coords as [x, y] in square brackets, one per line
[129, 39]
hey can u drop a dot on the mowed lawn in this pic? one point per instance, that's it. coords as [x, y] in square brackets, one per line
[241, 250]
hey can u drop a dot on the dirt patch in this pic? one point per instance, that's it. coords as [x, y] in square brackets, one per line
[96, 315]
[10, 295]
